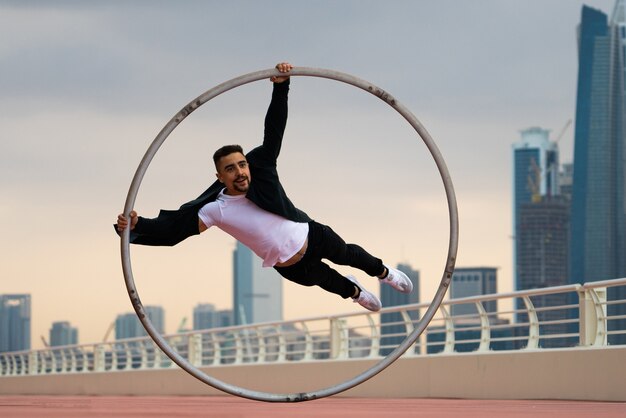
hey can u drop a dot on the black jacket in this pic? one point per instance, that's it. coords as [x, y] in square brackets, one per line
[173, 226]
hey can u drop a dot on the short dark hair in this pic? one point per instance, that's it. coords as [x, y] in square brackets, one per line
[224, 151]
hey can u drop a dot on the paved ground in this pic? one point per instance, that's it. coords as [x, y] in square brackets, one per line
[232, 407]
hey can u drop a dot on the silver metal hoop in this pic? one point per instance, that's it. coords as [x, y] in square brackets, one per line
[402, 347]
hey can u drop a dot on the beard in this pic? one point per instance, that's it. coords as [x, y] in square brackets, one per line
[243, 186]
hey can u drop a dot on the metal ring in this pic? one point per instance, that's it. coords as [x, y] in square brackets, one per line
[391, 357]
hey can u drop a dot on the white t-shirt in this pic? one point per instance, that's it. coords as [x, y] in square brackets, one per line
[271, 237]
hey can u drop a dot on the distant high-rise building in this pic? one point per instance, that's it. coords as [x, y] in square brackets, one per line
[473, 281]
[128, 326]
[543, 245]
[469, 282]
[543, 238]
[224, 318]
[205, 316]
[14, 322]
[566, 180]
[156, 314]
[535, 175]
[392, 324]
[598, 214]
[62, 333]
[258, 291]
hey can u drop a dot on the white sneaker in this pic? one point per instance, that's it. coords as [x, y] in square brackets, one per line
[398, 280]
[366, 299]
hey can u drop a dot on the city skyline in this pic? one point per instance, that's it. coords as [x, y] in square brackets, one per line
[86, 88]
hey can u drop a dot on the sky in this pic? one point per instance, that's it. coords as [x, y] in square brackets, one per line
[86, 86]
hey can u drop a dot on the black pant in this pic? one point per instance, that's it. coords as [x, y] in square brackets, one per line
[325, 243]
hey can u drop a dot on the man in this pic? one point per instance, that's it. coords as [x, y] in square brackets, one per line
[248, 202]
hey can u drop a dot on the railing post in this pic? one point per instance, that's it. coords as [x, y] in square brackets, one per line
[143, 353]
[73, 360]
[13, 368]
[408, 328]
[128, 352]
[54, 368]
[33, 363]
[449, 324]
[592, 316]
[238, 348]
[217, 350]
[64, 362]
[533, 324]
[339, 344]
[485, 330]
[99, 358]
[195, 350]
[308, 345]
[375, 337]
[159, 359]
[282, 345]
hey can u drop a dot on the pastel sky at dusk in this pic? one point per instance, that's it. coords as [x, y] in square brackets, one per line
[86, 86]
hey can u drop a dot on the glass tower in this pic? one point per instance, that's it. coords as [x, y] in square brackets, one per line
[62, 333]
[393, 329]
[598, 222]
[258, 291]
[14, 322]
[535, 176]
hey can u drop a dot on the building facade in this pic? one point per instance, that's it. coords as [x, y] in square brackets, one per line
[128, 325]
[543, 262]
[535, 176]
[205, 316]
[392, 324]
[15, 322]
[473, 281]
[62, 333]
[258, 291]
[598, 217]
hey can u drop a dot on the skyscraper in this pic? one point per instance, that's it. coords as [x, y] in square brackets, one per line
[541, 219]
[392, 324]
[598, 217]
[258, 291]
[14, 322]
[543, 245]
[62, 333]
[535, 174]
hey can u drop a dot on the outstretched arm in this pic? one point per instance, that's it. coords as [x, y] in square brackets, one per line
[276, 117]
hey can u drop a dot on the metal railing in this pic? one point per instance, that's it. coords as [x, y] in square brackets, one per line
[593, 314]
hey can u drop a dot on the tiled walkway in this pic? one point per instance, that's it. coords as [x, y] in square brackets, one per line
[232, 407]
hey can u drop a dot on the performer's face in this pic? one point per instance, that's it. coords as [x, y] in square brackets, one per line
[234, 173]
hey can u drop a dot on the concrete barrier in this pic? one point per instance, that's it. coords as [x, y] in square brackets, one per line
[575, 374]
